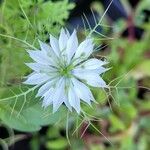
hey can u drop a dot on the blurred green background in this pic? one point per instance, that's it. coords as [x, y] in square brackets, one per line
[120, 120]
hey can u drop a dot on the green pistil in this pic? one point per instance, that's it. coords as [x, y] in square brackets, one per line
[66, 71]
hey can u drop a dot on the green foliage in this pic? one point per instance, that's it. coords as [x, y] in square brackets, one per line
[120, 113]
[26, 20]
[61, 143]
[25, 113]
[23, 23]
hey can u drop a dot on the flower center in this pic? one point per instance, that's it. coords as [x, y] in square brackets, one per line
[66, 71]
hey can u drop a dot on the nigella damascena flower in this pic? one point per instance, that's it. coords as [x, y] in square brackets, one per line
[63, 71]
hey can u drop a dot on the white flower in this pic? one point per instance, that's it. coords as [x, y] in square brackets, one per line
[63, 71]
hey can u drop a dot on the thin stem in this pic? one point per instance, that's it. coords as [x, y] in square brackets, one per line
[99, 23]
[21, 94]
[22, 41]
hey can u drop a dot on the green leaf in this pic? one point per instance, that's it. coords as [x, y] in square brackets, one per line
[24, 112]
[116, 123]
[60, 143]
[127, 144]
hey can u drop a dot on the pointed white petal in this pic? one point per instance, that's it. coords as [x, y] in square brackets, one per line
[49, 52]
[99, 70]
[67, 32]
[39, 57]
[82, 91]
[93, 63]
[45, 47]
[66, 102]
[44, 88]
[38, 67]
[74, 99]
[58, 95]
[29, 75]
[55, 45]
[97, 81]
[34, 66]
[72, 45]
[63, 38]
[48, 97]
[37, 78]
[85, 49]
[92, 79]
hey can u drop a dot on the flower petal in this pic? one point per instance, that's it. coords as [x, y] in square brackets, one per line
[48, 97]
[55, 45]
[39, 67]
[37, 78]
[44, 88]
[45, 47]
[92, 79]
[72, 45]
[85, 49]
[82, 91]
[39, 57]
[74, 99]
[63, 38]
[66, 102]
[99, 70]
[58, 95]
[93, 63]
[96, 81]
[49, 52]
